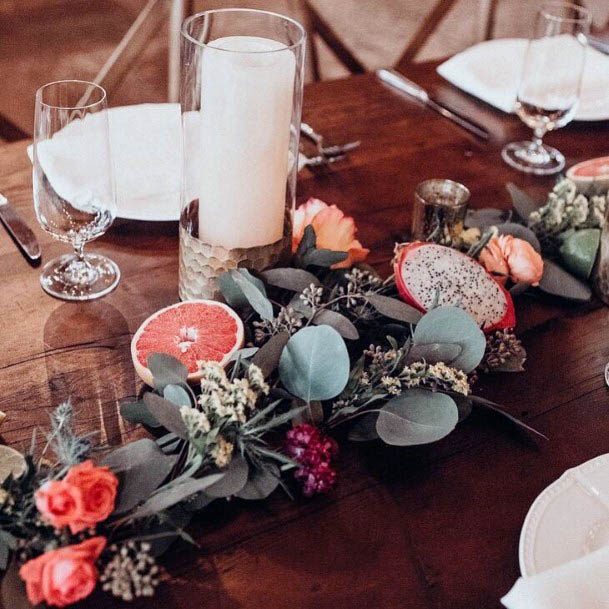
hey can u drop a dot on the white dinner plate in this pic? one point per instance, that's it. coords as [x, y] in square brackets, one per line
[568, 520]
[491, 72]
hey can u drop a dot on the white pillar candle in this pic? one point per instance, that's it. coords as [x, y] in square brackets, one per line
[246, 109]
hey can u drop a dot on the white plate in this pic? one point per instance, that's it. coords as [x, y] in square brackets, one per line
[147, 156]
[568, 520]
[491, 72]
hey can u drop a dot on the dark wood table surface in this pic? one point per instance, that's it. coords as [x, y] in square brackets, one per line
[435, 526]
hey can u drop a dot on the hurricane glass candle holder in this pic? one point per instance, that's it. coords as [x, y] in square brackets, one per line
[241, 97]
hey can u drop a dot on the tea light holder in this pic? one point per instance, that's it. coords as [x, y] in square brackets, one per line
[241, 97]
[439, 211]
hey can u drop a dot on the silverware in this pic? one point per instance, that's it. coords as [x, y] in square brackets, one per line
[318, 140]
[19, 230]
[318, 161]
[401, 83]
[599, 45]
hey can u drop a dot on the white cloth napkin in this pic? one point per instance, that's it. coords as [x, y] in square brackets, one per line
[146, 152]
[491, 71]
[579, 584]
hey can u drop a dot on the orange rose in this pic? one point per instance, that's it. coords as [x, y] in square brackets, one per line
[98, 486]
[83, 498]
[59, 503]
[517, 258]
[334, 231]
[62, 577]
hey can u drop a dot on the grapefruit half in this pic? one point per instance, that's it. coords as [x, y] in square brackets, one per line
[193, 331]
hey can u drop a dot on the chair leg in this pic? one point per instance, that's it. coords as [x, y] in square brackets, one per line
[433, 20]
[176, 16]
[329, 36]
[130, 47]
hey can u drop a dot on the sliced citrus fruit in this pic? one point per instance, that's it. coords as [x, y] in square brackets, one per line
[194, 331]
[11, 462]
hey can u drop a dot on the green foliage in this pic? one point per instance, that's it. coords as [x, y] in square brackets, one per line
[314, 364]
[417, 417]
[452, 326]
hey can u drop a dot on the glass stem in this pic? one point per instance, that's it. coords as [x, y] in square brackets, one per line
[538, 137]
[79, 251]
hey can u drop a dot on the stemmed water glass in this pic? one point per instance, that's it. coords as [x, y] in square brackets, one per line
[73, 183]
[549, 90]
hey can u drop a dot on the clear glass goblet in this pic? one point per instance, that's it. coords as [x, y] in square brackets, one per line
[74, 188]
[549, 90]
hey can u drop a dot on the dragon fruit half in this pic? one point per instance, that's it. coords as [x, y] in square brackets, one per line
[425, 272]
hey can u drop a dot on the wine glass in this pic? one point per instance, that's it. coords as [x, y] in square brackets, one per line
[549, 90]
[73, 183]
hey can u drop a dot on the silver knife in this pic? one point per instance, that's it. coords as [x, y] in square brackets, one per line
[398, 81]
[19, 230]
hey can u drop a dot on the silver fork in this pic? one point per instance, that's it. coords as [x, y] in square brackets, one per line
[326, 151]
[318, 161]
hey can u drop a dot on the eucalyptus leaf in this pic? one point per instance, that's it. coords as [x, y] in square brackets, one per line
[452, 326]
[337, 321]
[520, 232]
[255, 297]
[289, 278]
[166, 370]
[394, 308]
[435, 352]
[314, 365]
[231, 292]
[267, 357]
[253, 280]
[162, 534]
[137, 412]
[323, 257]
[522, 202]
[142, 466]
[167, 414]
[233, 480]
[177, 395]
[171, 494]
[487, 216]
[244, 353]
[364, 428]
[417, 417]
[488, 405]
[308, 241]
[464, 405]
[260, 483]
[558, 282]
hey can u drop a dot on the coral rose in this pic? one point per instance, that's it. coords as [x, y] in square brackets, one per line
[98, 486]
[508, 256]
[83, 498]
[60, 504]
[64, 576]
[334, 231]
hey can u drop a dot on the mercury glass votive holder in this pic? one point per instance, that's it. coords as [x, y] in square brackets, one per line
[241, 97]
[439, 211]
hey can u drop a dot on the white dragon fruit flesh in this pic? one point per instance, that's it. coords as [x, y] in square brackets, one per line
[427, 272]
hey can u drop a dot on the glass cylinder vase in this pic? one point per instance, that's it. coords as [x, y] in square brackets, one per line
[241, 96]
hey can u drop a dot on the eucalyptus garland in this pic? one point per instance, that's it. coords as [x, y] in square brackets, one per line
[326, 348]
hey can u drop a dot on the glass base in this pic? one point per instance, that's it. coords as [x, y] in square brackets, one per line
[71, 278]
[529, 157]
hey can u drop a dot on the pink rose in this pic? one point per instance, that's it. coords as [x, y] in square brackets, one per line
[59, 503]
[98, 486]
[83, 498]
[334, 231]
[62, 577]
[508, 256]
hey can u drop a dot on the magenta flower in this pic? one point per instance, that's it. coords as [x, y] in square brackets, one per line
[314, 452]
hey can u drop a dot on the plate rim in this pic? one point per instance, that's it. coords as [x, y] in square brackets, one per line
[537, 509]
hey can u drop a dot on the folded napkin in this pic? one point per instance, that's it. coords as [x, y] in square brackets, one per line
[491, 71]
[579, 584]
[146, 153]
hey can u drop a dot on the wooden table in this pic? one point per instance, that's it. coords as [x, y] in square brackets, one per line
[434, 526]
